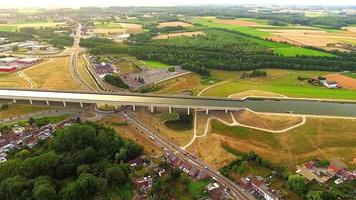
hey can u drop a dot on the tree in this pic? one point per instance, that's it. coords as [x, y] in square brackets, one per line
[71, 192]
[31, 120]
[4, 106]
[114, 175]
[15, 48]
[297, 183]
[87, 184]
[43, 189]
[14, 188]
[315, 195]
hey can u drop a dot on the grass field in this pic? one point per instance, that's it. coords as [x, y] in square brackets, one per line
[350, 74]
[53, 74]
[12, 80]
[15, 26]
[267, 121]
[84, 73]
[280, 48]
[117, 27]
[190, 83]
[18, 109]
[126, 67]
[281, 82]
[155, 64]
[325, 138]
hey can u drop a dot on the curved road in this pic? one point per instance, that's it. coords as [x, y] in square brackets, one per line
[73, 63]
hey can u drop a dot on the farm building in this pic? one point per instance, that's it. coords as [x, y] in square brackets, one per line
[104, 68]
[28, 60]
[8, 60]
[7, 69]
[330, 84]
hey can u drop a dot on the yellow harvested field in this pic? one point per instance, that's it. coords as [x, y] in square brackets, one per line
[296, 31]
[278, 38]
[132, 28]
[167, 24]
[351, 29]
[84, 72]
[266, 121]
[189, 82]
[210, 151]
[13, 80]
[237, 22]
[175, 35]
[316, 38]
[155, 121]
[130, 132]
[312, 41]
[109, 31]
[255, 93]
[53, 74]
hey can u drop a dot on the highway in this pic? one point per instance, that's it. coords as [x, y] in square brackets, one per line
[236, 191]
[73, 62]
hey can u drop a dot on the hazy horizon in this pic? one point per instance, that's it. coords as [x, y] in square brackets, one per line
[106, 3]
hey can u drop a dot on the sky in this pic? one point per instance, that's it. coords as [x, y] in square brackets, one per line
[105, 3]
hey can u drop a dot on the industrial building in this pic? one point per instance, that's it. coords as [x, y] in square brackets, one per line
[8, 60]
[28, 61]
[7, 69]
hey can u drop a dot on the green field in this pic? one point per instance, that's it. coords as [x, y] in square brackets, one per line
[107, 25]
[350, 74]
[35, 24]
[7, 28]
[282, 82]
[280, 48]
[155, 64]
[243, 29]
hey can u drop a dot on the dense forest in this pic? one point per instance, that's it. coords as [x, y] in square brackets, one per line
[222, 49]
[82, 161]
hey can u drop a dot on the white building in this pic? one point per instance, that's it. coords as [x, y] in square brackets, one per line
[8, 60]
[332, 85]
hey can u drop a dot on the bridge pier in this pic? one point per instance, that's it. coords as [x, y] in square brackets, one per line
[31, 101]
[207, 111]
[64, 104]
[170, 110]
[225, 111]
[81, 104]
[133, 107]
[47, 102]
[188, 112]
[14, 100]
[152, 109]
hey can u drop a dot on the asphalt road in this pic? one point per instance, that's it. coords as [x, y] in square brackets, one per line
[237, 192]
[74, 72]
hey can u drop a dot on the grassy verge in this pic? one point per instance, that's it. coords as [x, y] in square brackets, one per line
[18, 109]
